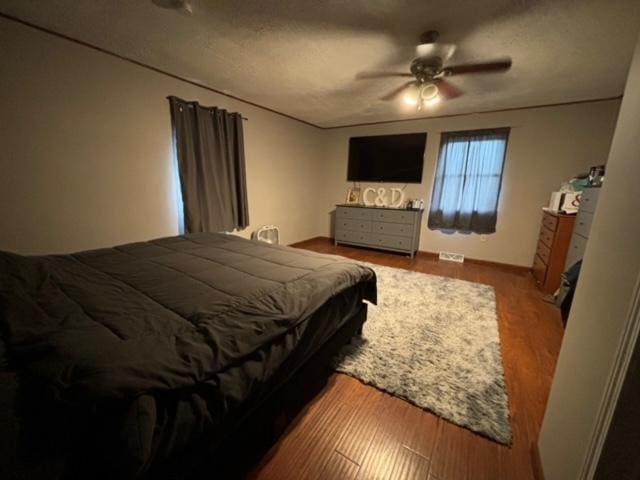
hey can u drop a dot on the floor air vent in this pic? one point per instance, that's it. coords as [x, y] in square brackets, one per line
[451, 257]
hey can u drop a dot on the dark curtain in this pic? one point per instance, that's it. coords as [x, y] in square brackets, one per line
[209, 145]
[467, 183]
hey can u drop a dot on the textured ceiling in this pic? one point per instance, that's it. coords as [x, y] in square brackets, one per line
[300, 57]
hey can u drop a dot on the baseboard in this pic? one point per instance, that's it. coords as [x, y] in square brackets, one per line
[433, 256]
[478, 261]
[536, 463]
[309, 240]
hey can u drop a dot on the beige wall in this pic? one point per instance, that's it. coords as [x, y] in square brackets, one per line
[86, 158]
[602, 301]
[86, 151]
[546, 146]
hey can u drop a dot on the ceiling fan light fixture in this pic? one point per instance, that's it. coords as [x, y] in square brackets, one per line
[411, 100]
[425, 95]
[432, 101]
[430, 70]
[412, 96]
[428, 92]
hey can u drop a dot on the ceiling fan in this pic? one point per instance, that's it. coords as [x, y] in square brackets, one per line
[429, 85]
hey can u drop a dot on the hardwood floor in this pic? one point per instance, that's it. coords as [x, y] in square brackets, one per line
[353, 431]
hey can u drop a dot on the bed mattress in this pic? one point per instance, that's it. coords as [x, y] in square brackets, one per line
[157, 345]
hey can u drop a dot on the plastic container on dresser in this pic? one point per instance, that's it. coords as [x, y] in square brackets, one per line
[392, 229]
[588, 202]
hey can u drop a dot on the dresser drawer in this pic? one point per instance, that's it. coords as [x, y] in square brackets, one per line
[576, 250]
[353, 225]
[394, 216]
[550, 221]
[391, 241]
[383, 228]
[401, 229]
[353, 237]
[539, 270]
[589, 199]
[546, 236]
[543, 252]
[583, 223]
[354, 213]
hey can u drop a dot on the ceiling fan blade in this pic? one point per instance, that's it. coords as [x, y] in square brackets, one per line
[370, 75]
[486, 67]
[443, 50]
[397, 91]
[447, 89]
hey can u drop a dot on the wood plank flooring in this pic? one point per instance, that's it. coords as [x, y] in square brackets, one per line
[353, 431]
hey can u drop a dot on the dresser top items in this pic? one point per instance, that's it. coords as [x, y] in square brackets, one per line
[573, 193]
[360, 205]
[569, 203]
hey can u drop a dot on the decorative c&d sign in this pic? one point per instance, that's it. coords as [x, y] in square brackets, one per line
[397, 197]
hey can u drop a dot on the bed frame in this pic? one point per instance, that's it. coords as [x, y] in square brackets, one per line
[250, 438]
[260, 428]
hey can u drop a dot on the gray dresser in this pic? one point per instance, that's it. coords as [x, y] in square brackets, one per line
[378, 227]
[588, 202]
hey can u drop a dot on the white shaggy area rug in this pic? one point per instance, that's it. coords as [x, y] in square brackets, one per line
[434, 341]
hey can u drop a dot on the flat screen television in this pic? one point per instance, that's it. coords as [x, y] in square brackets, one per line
[387, 158]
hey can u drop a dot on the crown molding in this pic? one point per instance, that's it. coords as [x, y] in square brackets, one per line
[479, 112]
[282, 114]
[151, 67]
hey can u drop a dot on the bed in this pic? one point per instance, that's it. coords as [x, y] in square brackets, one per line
[145, 359]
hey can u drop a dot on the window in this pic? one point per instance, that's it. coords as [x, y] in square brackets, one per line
[467, 183]
[209, 147]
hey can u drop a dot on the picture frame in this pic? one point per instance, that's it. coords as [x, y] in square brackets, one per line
[353, 195]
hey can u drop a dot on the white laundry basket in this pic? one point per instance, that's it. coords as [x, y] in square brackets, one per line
[267, 234]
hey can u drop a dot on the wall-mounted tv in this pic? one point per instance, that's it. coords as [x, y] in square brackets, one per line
[387, 158]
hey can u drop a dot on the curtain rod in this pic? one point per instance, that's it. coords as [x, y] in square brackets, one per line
[169, 97]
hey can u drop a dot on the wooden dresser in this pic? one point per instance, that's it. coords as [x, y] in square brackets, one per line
[551, 253]
[378, 227]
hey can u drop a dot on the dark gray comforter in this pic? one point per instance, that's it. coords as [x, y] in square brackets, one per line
[114, 330]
